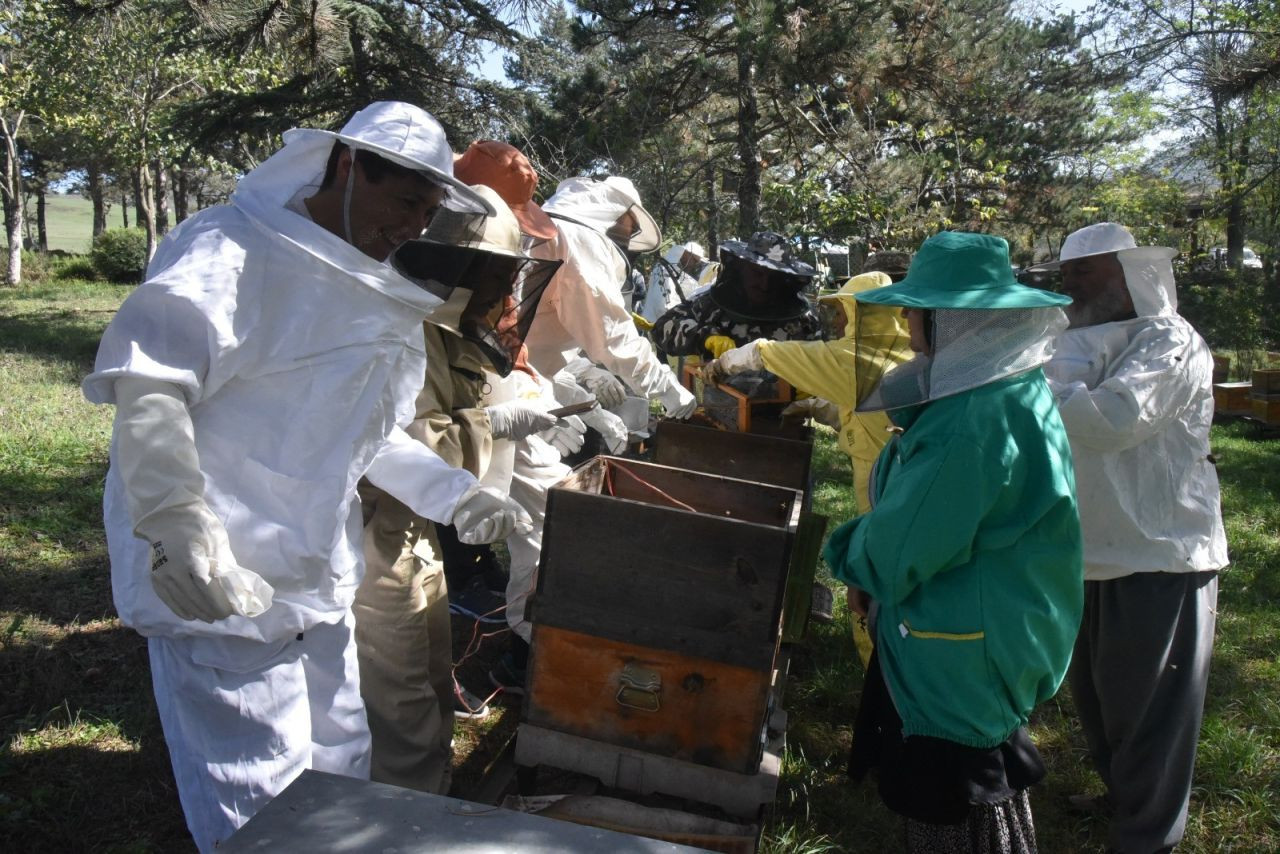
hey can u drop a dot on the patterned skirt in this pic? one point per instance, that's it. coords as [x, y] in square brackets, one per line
[1001, 828]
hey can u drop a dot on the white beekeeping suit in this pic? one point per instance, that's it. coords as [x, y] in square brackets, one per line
[1136, 397]
[1133, 381]
[669, 283]
[583, 308]
[262, 369]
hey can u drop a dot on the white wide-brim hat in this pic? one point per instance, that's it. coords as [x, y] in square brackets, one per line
[407, 136]
[1103, 238]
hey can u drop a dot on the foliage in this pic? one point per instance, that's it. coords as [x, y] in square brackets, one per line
[1235, 311]
[120, 254]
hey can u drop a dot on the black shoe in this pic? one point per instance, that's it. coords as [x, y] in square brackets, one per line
[820, 603]
[467, 706]
[479, 603]
[1085, 804]
[507, 676]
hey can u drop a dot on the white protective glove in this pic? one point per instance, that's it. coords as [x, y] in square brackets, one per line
[567, 436]
[614, 430]
[819, 409]
[485, 515]
[735, 361]
[677, 401]
[611, 427]
[193, 570]
[518, 419]
[607, 389]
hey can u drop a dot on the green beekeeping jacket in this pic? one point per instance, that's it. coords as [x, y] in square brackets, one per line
[973, 553]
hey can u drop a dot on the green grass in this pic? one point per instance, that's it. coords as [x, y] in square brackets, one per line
[69, 221]
[83, 762]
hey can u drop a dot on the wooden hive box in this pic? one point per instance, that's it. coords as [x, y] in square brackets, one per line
[658, 607]
[747, 456]
[1266, 382]
[1267, 408]
[742, 413]
[766, 459]
[1231, 397]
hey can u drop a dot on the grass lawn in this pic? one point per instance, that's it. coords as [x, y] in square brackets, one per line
[82, 760]
[69, 220]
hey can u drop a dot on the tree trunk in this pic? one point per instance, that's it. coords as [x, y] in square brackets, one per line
[124, 208]
[748, 144]
[11, 195]
[713, 239]
[146, 204]
[162, 197]
[42, 228]
[13, 232]
[179, 194]
[96, 196]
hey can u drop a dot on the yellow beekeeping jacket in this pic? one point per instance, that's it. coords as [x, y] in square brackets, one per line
[832, 370]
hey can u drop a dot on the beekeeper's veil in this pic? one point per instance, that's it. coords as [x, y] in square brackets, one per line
[474, 262]
[1148, 270]
[981, 325]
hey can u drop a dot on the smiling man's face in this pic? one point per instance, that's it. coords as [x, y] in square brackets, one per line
[389, 212]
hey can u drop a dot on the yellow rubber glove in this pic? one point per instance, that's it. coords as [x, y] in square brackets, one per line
[641, 323]
[718, 345]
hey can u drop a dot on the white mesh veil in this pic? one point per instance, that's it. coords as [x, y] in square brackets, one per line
[970, 348]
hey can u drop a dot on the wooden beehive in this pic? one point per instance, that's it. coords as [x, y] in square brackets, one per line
[1266, 382]
[1221, 368]
[748, 456]
[1231, 397]
[766, 459]
[656, 620]
[1267, 408]
[743, 413]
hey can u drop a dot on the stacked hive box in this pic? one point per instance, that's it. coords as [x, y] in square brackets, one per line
[1265, 395]
[657, 613]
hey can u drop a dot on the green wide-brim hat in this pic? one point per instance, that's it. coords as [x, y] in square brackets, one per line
[957, 269]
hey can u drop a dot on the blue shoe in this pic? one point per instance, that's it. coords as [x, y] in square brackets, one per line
[479, 603]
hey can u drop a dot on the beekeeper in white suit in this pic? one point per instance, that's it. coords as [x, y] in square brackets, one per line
[600, 221]
[673, 280]
[1133, 382]
[265, 365]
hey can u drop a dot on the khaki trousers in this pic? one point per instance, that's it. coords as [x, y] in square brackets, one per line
[404, 648]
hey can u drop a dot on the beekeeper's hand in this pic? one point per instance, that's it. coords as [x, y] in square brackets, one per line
[185, 571]
[193, 570]
[735, 361]
[819, 409]
[718, 345]
[677, 401]
[642, 323]
[485, 515]
[608, 389]
[610, 426]
[518, 419]
[567, 435]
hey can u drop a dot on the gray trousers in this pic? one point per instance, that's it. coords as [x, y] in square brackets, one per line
[1138, 676]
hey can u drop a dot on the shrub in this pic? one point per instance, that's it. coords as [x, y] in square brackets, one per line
[1234, 312]
[120, 254]
[77, 267]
